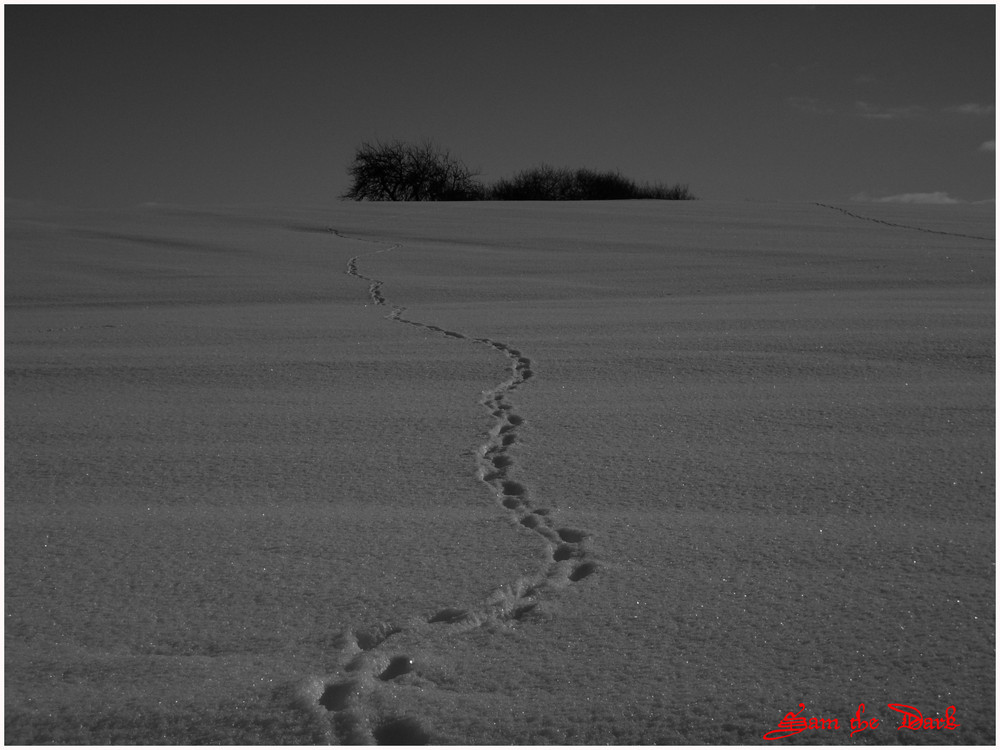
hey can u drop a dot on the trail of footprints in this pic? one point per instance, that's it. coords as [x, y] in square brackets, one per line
[342, 701]
[902, 226]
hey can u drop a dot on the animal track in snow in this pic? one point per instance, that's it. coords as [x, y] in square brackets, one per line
[401, 731]
[449, 615]
[511, 489]
[342, 701]
[583, 570]
[903, 226]
[573, 535]
[398, 666]
[369, 638]
[337, 697]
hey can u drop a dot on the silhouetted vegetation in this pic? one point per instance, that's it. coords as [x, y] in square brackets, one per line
[545, 183]
[399, 171]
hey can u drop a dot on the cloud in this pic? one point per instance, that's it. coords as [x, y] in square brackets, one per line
[809, 104]
[877, 112]
[988, 146]
[938, 198]
[870, 111]
[972, 109]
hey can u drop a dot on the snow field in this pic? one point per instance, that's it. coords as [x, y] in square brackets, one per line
[626, 473]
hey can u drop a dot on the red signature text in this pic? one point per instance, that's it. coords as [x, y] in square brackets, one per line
[913, 719]
[793, 724]
[858, 724]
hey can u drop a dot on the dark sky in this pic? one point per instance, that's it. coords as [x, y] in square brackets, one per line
[117, 106]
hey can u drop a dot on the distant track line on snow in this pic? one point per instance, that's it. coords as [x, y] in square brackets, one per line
[903, 226]
[342, 700]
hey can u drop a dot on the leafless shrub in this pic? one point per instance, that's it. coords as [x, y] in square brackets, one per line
[546, 183]
[399, 171]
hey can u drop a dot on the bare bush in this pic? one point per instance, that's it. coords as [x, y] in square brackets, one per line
[398, 171]
[541, 183]
[546, 183]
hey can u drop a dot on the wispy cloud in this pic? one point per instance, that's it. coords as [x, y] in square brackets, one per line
[809, 104]
[870, 111]
[988, 146]
[939, 198]
[972, 109]
[878, 112]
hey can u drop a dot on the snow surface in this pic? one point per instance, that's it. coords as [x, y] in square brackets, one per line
[627, 473]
